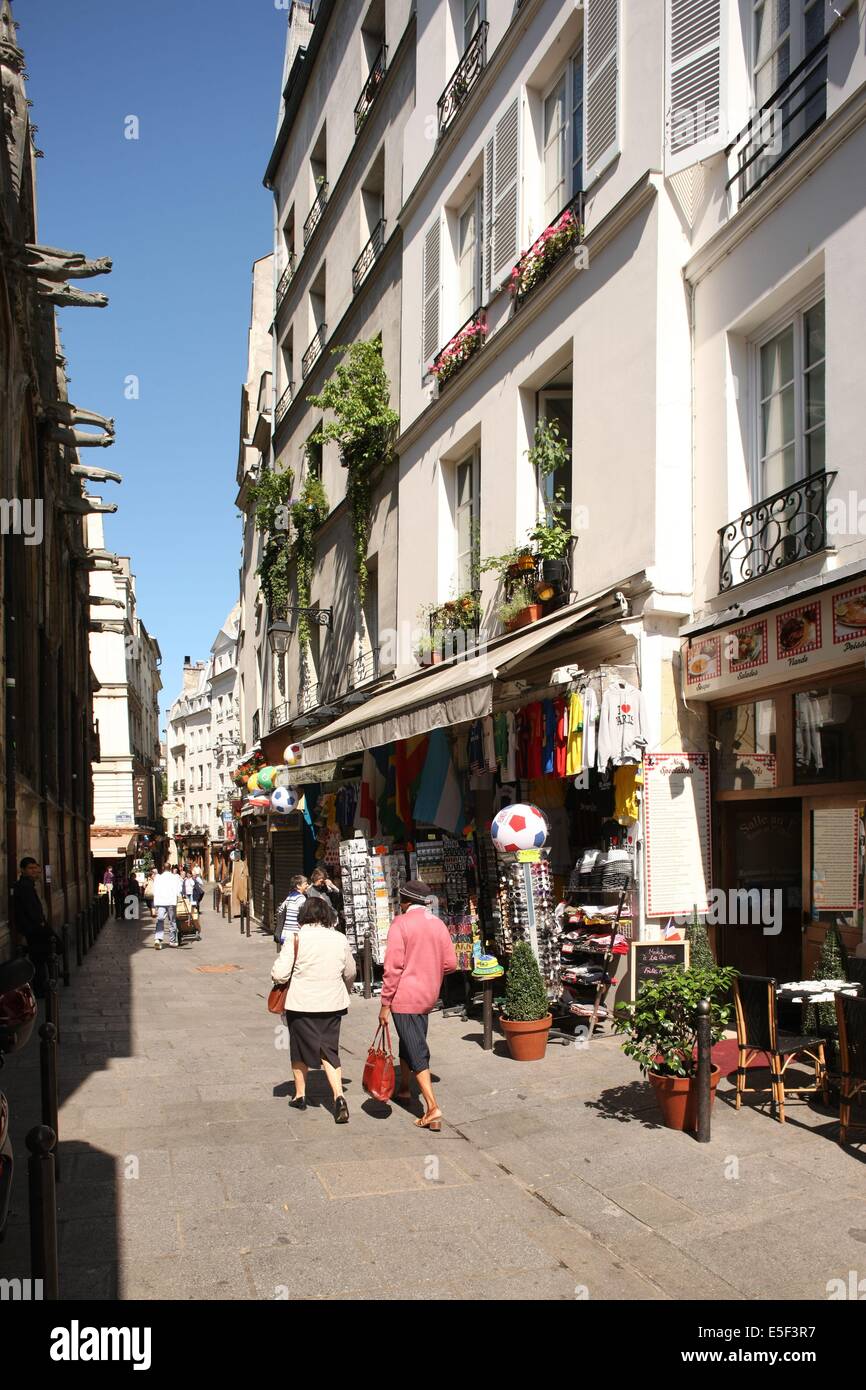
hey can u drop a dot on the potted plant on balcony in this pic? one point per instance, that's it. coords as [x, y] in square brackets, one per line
[660, 1032]
[520, 608]
[551, 538]
[458, 350]
[526, 1016]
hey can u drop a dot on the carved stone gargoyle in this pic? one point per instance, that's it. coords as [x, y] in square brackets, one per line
[95, 475]
[65, 296]
[107, 602]
[83, 506]
[53, 263]
[78, 439]
[106, 625]
[70, 415]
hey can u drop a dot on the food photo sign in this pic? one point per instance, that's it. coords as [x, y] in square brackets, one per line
[816, 634]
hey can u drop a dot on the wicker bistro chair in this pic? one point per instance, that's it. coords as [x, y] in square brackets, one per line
[851, 1015]
[758, 1032]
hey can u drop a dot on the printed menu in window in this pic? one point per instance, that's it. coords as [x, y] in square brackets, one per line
[677, 832]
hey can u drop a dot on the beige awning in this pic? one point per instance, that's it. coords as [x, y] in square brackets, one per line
[112, 846]
[440, 697]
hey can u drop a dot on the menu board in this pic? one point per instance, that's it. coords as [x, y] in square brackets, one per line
[677, 832]
[816, 634]
[648, 959]
[835, 846]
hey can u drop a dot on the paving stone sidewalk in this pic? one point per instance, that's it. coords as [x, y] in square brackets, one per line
[186, 1176]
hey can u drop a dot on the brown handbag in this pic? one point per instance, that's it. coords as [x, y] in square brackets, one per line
[277, 996]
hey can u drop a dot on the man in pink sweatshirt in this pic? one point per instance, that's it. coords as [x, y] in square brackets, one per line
[419, 952]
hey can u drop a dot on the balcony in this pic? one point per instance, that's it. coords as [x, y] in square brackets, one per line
[314, 351]
[796, 108]
[307, 707]
[283, 404]
[279, 715]
[285, 280]
[364, 667]
[775, 532]
[466, 74]
[320, 202]
[544, 255]
[466, 342]
[256, 727]
[369, 256]
[364, 104]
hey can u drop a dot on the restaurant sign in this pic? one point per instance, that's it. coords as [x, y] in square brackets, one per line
[814, 634]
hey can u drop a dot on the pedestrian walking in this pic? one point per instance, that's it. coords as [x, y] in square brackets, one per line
[287, 912]
[322, 887]
[165, 893]
[321, 969]
[31, 923]
[419, 952]
[197, 896]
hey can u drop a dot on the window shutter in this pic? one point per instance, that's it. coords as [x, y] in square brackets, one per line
[694, 81]
[431, 281]
[601, 63]
[505, 237]
[487, 204]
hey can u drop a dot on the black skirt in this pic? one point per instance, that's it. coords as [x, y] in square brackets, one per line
[314, 1038]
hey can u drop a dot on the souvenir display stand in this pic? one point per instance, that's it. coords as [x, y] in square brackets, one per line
[597, 925]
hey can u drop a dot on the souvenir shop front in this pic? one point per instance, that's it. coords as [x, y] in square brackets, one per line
[557, 724]
[785, 692]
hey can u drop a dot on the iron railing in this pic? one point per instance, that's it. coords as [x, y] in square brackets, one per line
[283, 404]
[535, 265]
[465, 76]
[369, 256]
[285, 280]
[256, 727]
[279, 715]
[364, 667]
[314, 216]
[775, 532]
[314, 351]
[789, 116]
[468, 340]
[364, 104]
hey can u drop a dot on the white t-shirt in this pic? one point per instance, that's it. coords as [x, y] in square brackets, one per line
[166, 888]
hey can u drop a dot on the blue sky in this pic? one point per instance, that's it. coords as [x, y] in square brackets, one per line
[183, 214]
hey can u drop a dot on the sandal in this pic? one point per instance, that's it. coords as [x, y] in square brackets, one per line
[431, 1120]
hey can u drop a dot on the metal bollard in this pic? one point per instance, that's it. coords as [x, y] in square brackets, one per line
[368, 967]
[216, 897]
[48, 1080]
[52, 998]
[41, 1170]
[704, 1070]
[247, 915]
[79, 934]
[65, 936]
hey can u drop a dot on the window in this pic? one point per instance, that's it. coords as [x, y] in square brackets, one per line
[473, 14]
[313, 453]
[557, 403]
[577, 123]
[469, 257]
[370, 609]
[468, 517]
[784, 33]
[792, 411]
[562, 155]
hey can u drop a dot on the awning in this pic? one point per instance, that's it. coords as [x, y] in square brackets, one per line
[774, 598]
[440, 697]
[112, 846]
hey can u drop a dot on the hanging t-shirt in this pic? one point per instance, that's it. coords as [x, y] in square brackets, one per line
[534, 718]
[574, 751]
[560, 749]
[476, 748]
[626, 780]
[509, 766]
[489, 743]
[548, 754]
[500, 738]
[623, 726]
[590, 726]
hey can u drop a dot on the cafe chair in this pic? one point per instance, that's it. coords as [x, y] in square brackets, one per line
[758, 1032]
[851, 1016]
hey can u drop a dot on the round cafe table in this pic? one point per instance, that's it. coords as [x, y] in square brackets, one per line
[815, 991]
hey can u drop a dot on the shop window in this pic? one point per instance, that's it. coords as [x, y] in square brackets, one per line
[791, 409]
[745, 749]
[830, 734]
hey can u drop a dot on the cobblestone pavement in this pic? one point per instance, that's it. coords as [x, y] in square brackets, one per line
[186, 1176]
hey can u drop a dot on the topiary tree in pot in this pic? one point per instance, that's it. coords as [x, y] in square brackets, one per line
[660, 1028]
[526, 1016]
[700, 954]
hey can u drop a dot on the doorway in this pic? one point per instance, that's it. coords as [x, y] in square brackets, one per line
[762, 849]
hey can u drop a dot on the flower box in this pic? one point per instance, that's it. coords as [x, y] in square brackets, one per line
[536, 263]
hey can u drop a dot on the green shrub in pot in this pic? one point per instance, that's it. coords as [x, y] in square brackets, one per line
[659, 1025]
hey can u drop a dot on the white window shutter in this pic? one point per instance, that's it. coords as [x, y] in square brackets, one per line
[431, 277]
[695, 81]
[506, 192]
[487, 214]
[601, 107]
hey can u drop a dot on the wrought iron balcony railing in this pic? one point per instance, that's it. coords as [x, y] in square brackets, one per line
[314, 351]
[364, 104]
[466, 342]
[283, 404]
[796, 108]
[369, 256]
[466, 74]
[535, 265]
[314, 217]
[256, 727]
[365, 667]
[279, 715]
[775, 532]
[285, 280]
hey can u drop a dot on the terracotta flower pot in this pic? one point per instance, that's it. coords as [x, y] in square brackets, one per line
[677, 1098]
[527, 1042]
[530, 614]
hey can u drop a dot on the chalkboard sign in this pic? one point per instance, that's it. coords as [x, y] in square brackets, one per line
[647, 960]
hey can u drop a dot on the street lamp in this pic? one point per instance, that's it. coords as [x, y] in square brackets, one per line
[279, 632]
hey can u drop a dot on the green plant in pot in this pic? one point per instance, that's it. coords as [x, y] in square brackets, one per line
[520, 608]
[659, 1027]
[526, 1016]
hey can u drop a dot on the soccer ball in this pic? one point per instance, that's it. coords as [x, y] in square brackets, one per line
[518, 827]
[253, 783]
[293, 752]
[285, 799]
[266, 778]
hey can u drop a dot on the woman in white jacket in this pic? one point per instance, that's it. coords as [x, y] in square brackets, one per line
[320, 965]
